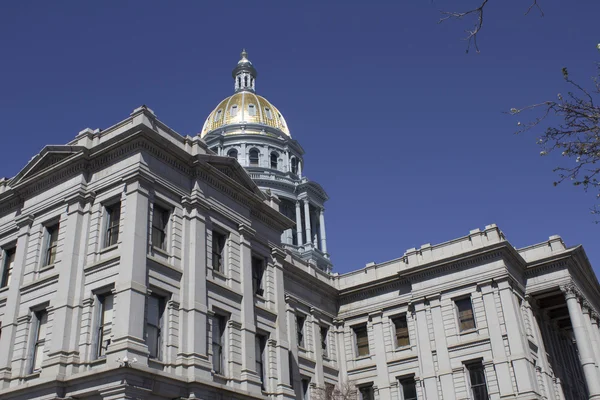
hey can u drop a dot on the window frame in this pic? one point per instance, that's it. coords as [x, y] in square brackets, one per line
[51, 243]
[218, 115]
[395, 330]
[254, 162]
[460, 318]
[220, 325]
[371, 391]
[274, 162]
[9, 254]
[230, 153]
[324, 340]
[218, 255]
[159, 326]
[300, 330]
[260, 359]
[111, 227]
[258, 276]
[305, 386]
[100, 331]
[294, 165]
[476, 365]
[251, 110]
[231, 110]
[268, 113]
[405, 382]
[163, 230]
[38, 341]
[357, 345]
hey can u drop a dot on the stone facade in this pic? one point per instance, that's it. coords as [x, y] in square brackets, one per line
[138, 264]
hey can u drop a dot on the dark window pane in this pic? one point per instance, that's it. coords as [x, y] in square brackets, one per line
[465, 314]
[401, 326]
[362, 341]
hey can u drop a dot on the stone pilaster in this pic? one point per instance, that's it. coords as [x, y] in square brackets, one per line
[441, 348]
[130, 287]
[250, 381]
[9, 321]
[193, 352]
[496, 341]
[382, 381]
[427, 367]
[517, 337]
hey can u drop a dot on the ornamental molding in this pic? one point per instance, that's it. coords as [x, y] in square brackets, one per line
[442, 269]
[570, 291]
[545, 268]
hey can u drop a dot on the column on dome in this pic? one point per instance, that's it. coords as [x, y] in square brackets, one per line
[582, 340]
[299, 168]
[322, 227]
[299, 240]
[307, 220]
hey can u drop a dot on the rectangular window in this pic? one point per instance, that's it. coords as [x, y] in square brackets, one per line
[39, 340]
[401, 331]
[324, 347]
[477, 381]
[366, 392]
[51, 244]
[218, 251]
[218, 343]
[261, 343]
[105, 314]
[8, 263]
[362, 340]
[258, 270]
[305, 388]
[160, 220]
[408, 388]
[113, 217]
[300, 330]
[466, 319]
[291, 368]
[154, 324]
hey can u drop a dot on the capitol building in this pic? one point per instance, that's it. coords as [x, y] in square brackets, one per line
[138, 263]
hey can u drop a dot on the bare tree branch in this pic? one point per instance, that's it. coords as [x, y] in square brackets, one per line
[478, 14]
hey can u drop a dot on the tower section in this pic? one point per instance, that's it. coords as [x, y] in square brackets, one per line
[252, 130]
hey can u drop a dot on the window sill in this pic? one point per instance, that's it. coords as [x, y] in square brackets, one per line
[160, 251]
[35, 374]
[402, 348]
[468, 331]
[3, 289]
[98, 361]
[219, 274]
[47, 268]
[109, 248]
[360, 358]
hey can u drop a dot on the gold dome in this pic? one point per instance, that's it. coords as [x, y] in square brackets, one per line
[245, 107]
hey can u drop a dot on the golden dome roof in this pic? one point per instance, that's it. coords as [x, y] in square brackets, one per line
[245, 107]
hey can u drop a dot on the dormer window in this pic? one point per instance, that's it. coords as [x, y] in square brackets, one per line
[268, 113]
[218, 115]
[251, 110]
[234, 110]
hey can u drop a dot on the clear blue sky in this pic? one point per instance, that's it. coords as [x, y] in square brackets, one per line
[404, 130]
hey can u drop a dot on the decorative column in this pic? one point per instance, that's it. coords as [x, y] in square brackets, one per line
[595, 317]
[539, 339]
[441, 348]
[299, 240]
[322, 226]
[425, 356]
[496, 341]
[307, 221]
[584, 345]
[587, 310]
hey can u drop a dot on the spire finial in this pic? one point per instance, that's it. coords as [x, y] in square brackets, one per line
[244, 74]
[244, 55]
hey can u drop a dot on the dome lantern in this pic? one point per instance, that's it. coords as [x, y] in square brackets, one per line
[244, 74]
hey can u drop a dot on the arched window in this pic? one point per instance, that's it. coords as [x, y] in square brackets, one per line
[251, 110]
[253, 155]
[294, 165]
[274, 160]
[268, 113]
[218, 115]
[232, 153]
[239, 80]
[233, 111]
[246, 81]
